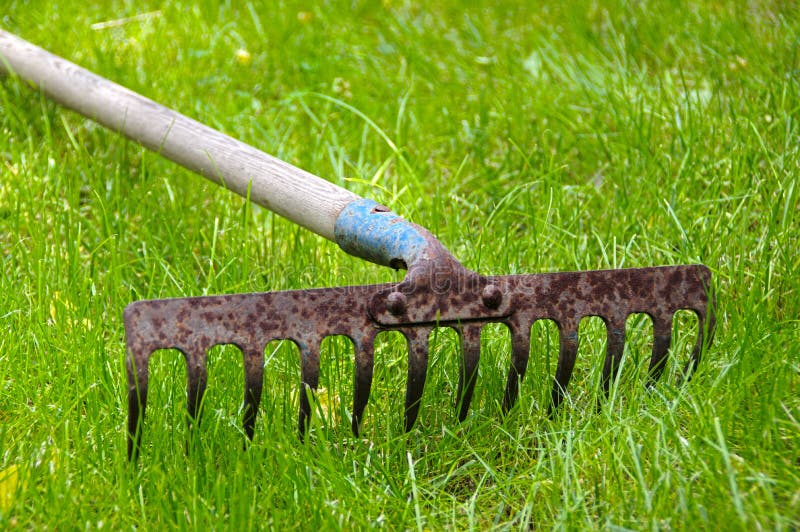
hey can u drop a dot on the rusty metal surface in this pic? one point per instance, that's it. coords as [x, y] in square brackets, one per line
[196, 324]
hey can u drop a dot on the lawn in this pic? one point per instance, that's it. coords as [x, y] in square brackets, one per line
[529, 138]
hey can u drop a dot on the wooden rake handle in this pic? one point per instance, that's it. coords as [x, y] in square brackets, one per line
[303, 198]
[360, 226]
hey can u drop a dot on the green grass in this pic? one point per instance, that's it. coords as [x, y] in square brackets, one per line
[528, 139]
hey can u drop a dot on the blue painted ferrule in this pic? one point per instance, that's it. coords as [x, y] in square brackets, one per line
[372, 232]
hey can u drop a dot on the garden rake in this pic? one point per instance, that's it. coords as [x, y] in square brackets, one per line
[437, 291]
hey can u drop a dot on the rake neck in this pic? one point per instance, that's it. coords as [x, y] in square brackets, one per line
[436, 287]
[371, 231]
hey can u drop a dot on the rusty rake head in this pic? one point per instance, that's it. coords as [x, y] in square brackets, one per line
[465, 302]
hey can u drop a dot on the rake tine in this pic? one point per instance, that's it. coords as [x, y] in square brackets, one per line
[615, 346]
[662, 338]
[253, 384]
[196, 379]
[365, 361]
[471, 353]
[706, 326]
[520, 350]
[138, 373]
[309, 369]
[417, 372]
[703, 325]
[568, 350]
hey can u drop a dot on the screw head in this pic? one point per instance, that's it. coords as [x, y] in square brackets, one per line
[491, 296]
[396, 303]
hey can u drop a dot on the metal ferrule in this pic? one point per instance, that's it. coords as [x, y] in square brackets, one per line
[371, 231]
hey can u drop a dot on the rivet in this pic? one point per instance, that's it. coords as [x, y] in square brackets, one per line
[396, 303]
[492, 296]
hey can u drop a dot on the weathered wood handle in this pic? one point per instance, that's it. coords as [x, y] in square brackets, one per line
[293, 193]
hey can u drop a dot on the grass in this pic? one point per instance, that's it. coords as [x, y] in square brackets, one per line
[559, 137]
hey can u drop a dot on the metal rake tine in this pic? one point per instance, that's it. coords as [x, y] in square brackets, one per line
[417, 372]
[703, 325]
[364, 364]
[568, 350]
[309, 370]
[615, 346]
[253, 385]
[706, 327]
[520, 351]
[662, 338]
[196, 380]
[138, 373]
[470, 357]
